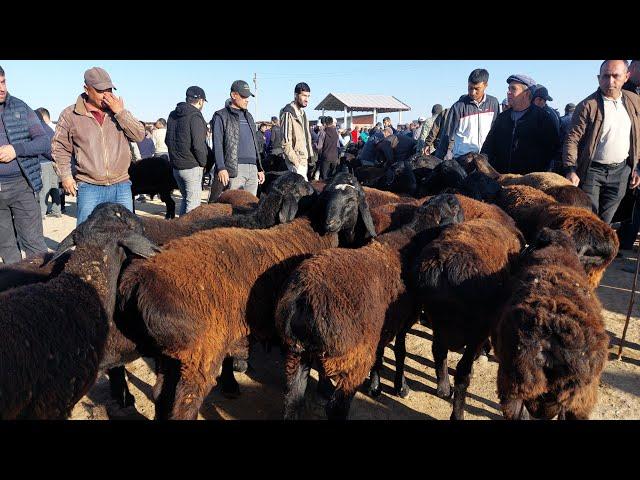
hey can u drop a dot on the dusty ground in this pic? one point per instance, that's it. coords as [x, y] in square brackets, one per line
[262, 386]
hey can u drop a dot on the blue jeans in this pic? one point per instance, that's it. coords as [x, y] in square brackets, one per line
[50, 182]
[90, 196]
[189, 182]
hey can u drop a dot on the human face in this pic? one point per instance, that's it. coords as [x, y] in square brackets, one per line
[3, 89]
[476, 90]
[613, 76]
[540, 102]
[518, 96]
[302, 99]
[96, 97]
[239, 101]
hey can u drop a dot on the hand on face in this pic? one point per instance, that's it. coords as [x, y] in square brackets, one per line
[114, 103]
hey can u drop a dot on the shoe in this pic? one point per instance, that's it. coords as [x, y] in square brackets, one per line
[54, 215]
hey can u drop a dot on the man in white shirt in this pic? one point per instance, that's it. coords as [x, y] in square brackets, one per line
[601, 150]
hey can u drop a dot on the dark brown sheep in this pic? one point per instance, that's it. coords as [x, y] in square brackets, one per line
[550, 340]
[463, 282]
[54, 333]
[341, 307]
[205, 293]
[570, 195]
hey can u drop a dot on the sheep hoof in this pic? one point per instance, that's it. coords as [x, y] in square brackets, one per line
[128, 401]
[240, 365]
[444, 391]
[403, 392]
[375, 390]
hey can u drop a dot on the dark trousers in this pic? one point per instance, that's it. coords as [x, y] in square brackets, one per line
[606, 186]
[20, 221]
[327, 169]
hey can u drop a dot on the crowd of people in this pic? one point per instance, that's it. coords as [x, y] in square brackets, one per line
[88, 151]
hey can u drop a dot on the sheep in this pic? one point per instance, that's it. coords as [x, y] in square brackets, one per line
[540, 180]
[448, 174]
[31, 270]
[154, 176]
[462, 279]
[570, 195]
[341, 307]
[226, 279]
[596, 242]
[550, 340]
[280, 203]
[54, 333]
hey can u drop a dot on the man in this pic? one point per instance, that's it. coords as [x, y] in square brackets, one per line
[386, 123]
[394, 148]
[50, 180]
[296, 137]
[433, 143]
[235, 143]
[565, 121]
[261, 138]
[426, 128]
[367, 156]
[601, 149]
[471, 117]
[418, 130]
[328, 148]
[22, 142]
[355, 134]
[540, 99]
[186, 141]
[633, 84]
[96, 131]
[275, 160]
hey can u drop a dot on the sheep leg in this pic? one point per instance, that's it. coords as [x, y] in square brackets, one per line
[119, 388]
[169, 375]
[463, 378]
[338, 406]
[440, 351]
[400, 352]
[514, 409]
[171, 205]
[325, 387]
[297, 371]
[227, 380]
[563, 414]
[157, 387]
[193, 386]
[375, 387]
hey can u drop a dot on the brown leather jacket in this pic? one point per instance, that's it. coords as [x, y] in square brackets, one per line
[102, 153]
[584, 134]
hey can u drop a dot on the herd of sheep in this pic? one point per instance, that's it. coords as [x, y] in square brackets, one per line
[333, 273]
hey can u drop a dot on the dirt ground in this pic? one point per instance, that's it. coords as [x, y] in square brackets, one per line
[263, 385]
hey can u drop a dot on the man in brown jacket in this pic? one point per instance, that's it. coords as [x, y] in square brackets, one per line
[296, 137]
[601, 148]
[96, 131]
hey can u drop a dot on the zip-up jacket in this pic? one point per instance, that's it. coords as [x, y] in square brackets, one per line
[525, 147]
[296, 137]
[468, 124]
[102, 153]
[186, 137]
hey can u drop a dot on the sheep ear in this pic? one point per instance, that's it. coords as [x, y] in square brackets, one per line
[288, 209]
[365, 215]
[139, 245]
[65, 245]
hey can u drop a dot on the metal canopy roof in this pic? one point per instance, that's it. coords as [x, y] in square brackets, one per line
[337, 102]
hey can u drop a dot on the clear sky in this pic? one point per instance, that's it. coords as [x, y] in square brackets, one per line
[151, 88]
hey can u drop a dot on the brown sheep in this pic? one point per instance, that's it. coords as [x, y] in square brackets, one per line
[550, 340]
[205, 293]
[463, 281]
[341, 307]
[570, 195]
[540, 180]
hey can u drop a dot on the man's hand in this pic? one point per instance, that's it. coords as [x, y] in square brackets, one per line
[7, 153]
[115, 104]
[448, 156]
[223, 177]
[70, 187]
[260, 178]
[425, 151]
[574, 178]
[635, 178]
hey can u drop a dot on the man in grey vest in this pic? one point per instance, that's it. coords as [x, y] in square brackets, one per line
[22, 142]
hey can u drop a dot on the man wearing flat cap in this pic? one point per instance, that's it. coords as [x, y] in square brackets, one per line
[524, 138]
[187, 144]
[235, 143]
[96, 131]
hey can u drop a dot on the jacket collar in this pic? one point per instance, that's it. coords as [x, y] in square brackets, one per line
[80, 107]
[298, 114]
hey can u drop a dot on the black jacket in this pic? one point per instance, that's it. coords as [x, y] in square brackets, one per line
[276, 140]
[395, 148]
[528, 147]
[186, 137]
[230, 140]
[328, 151]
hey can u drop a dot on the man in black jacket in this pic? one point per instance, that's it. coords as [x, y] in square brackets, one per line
[235, 144]
[394, 148]
[275, 159]
[524, 138]
[186, 141]
[328, 146]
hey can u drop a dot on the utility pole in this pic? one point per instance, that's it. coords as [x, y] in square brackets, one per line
[255, 87]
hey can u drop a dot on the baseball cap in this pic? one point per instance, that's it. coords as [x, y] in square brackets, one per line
[570, 106]
[196, 92]
[542, 92]
[521, 78]
[98, 78]
[241, 87]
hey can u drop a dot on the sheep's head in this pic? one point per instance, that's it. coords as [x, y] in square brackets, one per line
[448, 174]
[400, 178]
[110, 224]
[286, 195]
[477, 162]
[438, 212]
[481, 187]
[346, 207]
